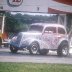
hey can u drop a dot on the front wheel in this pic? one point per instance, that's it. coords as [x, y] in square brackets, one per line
[63, 50]
[13, 49]
[34, 48]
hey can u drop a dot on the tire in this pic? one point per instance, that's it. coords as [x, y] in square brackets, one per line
[13, 49]
[63, 50]
[44, 51]
[34, 48]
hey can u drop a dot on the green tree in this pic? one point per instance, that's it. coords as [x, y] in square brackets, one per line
[10, 22]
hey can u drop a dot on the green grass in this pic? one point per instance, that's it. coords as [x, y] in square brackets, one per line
[33, 67]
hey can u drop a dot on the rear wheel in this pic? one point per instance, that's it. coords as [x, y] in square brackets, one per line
[34, 48]
[13, 49]
[63, 50]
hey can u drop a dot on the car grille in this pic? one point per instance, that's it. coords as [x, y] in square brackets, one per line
[18, 39]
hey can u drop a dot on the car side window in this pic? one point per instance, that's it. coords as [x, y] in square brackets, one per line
[61, 31]
[52, 29]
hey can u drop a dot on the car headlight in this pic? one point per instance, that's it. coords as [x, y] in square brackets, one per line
[14, 38]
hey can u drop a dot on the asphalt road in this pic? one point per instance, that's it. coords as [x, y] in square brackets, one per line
[24, 56]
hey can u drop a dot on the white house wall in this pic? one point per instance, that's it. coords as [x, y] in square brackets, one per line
[36, 6]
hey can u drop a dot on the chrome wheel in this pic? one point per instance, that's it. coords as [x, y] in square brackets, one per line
[34, 48]
[65, 51]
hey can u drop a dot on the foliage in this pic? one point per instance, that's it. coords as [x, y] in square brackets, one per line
[19, 22]
[10, 22]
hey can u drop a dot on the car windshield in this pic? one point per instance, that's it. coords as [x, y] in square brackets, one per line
[36, 28]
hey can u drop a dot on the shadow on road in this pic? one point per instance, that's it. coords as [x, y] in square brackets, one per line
[6, 52]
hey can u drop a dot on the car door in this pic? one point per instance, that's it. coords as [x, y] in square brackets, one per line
[50, 36]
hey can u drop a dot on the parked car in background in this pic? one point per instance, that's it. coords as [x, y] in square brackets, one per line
[42, 37]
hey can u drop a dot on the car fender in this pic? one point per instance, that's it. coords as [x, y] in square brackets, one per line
[32, 40]
[41, 43]
[63, 40]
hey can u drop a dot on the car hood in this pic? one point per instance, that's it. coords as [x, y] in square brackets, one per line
[26, 35]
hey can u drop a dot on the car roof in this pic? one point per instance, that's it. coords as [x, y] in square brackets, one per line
[49, 24]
